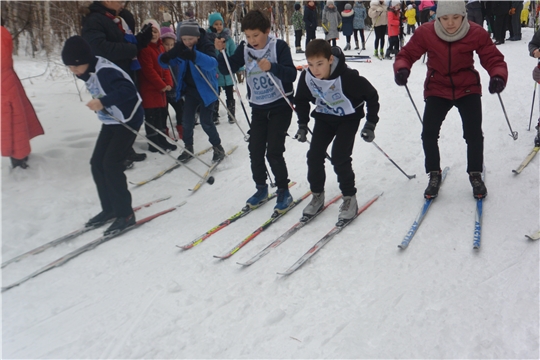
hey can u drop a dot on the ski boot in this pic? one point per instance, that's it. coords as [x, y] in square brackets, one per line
[120, 224]
[185, 156]
[100, 219]
[347, 210]
[432, 190]
[219, 153]
[259, 198]
[284, 201]
[479, 188]
[316, 204]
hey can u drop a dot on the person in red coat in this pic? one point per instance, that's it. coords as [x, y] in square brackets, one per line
[19, 119]
[452, 81]
[154, 82]
[394, 25]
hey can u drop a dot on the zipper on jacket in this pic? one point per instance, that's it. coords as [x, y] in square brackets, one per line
[450, 70]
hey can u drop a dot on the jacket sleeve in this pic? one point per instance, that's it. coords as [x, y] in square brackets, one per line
[236, 60]
[490, 57]
[302, 100]
[206, 62]
[324, 21]
[535, 43]
[146, 59]
[284, 69]
[112, 51]
[119, 89]
[411, 52]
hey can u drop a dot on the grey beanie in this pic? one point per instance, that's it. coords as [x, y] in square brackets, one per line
[451, 8]
[189, 28]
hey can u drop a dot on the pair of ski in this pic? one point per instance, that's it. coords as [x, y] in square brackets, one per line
[477, 237]
[89, 246]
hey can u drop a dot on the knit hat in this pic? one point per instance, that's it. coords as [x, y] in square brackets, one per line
[409, 7]
[167, 33]
[330, 2]
[434, 9]
[77, 52]
[395, 3]
[296, 6]
[213, 17]
[152, 22]
[348, 7]
[189, 28]
[450, 8]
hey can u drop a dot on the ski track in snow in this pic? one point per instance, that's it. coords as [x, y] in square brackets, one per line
[138, 296]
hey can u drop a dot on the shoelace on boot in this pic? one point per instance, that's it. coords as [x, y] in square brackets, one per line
[476, 180]
[433, 180]
[345, 205]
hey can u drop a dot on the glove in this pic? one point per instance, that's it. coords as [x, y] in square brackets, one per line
[401, 76]
[368, 132]
[187, 54]
[301, 134]
[339, 29]
[496, 85]
[325, 33]
[174, 52]
[144, 36]
[536, 74]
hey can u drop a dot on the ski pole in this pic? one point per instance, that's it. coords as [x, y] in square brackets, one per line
[184, 149]
[415, 108]
[172, 127]
[221, 100]
[393, 162]
[235, 85]
[210, 179]
[513, 134]
[532, 106]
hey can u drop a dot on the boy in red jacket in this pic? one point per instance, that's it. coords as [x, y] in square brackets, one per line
[452, 81]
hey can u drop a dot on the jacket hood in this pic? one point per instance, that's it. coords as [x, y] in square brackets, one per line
[96, 6]
[339, 65]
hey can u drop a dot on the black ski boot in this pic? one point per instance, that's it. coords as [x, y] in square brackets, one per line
[219, 153]
[165, 144]
[185, 156]
[100, 219]
[232, 108]
[155, 139]
[478, 186]
[537, 138]
[120, 224]
[19, 163]
[434, 184]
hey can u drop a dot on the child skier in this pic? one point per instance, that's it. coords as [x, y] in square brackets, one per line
[331, 22]
[453, 81]
[270, 114]
[410, 14]
[328, 78]
[360, 15]
[112, 90]
[394, 25]
[225, 82]
[193, 53]
[298, 23]
[378, 14]
[347, 16]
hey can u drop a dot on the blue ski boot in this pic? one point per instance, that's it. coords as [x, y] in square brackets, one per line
[284, 200]
[259, 198]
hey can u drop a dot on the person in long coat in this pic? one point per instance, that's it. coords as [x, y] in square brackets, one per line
[331, 22]
[19, 120]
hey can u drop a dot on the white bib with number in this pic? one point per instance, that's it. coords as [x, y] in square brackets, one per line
[329, 97]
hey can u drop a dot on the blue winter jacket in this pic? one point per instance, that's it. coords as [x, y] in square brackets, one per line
[207, 63]
[360, 15]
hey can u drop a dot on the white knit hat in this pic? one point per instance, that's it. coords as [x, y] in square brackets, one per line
[451, 8]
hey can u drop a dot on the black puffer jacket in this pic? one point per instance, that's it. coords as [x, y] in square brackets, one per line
[106, 38]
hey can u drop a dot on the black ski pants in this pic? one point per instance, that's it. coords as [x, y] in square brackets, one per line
[470, 109]
[310, 35]
[267, 138]
[343, 133]
[380, 33]
[113, 145]
[156, 117]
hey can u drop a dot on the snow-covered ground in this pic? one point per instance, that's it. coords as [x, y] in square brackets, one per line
[139, 296]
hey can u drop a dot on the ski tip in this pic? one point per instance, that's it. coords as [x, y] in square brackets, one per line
[243, 264]
[284, 273]
[516, 172]
[476, 247]
[402, 246]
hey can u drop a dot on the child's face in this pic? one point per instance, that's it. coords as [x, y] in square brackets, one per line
[155, 35]
[218, 25]
[79, 69]
[256, 38]
[320, 66]
[168, 44]
[189, 41]
[451, 23]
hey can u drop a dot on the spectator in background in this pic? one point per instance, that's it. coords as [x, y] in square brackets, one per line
[19, 119]
[474, 12]
[299, 26]
[515, 20]
[410, 14]
[331, 22]
[425, 7]
[360, 15]
[378, 14]
[310, 20]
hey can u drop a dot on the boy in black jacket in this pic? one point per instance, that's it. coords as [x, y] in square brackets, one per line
[112, 90]
[339, 94]
[267, 60]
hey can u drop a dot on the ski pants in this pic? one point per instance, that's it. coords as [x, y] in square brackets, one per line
[380, 33]
[113, 145]
[192, 100]
[156, 117]
[267, 137]
[470, 109]
[343, 133]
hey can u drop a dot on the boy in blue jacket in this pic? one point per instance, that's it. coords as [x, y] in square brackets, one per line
[193, 53]
[114, 92]
[271, 114]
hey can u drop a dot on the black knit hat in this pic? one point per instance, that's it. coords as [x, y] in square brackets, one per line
[77, 52]
[296, 6]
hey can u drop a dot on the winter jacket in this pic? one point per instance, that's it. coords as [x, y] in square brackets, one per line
[534, 43]
[357, 89]
[347, 18]
[377, 13]
[152, 77]
[106, 38]
[331, 21]
[297, 20]
[284, 69]
[205, 59]
[450, 65]
[411, 16]
[224, 79]
[360, 15]
[394, 23]
[425, 4]
[501, 8]
[19, 119]
[310, 18]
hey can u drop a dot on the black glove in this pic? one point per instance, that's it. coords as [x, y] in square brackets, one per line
[401, 76]
[496, 84]
[301, 134]
[339, 29]
[144, 36]
[171, 95]
[174, 52]
[368, 132]
[187, 54]
[326, 33]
